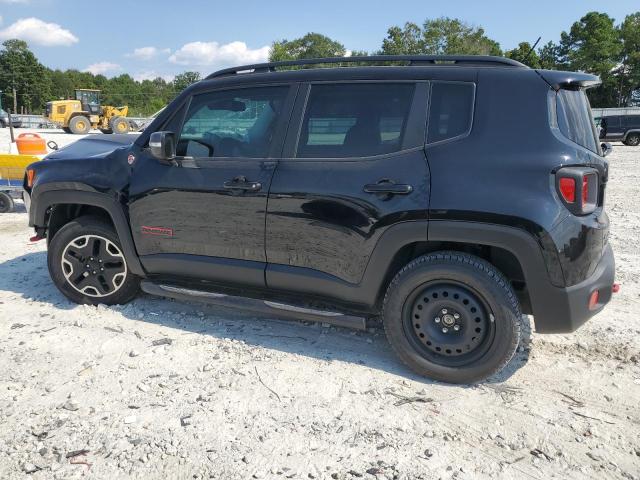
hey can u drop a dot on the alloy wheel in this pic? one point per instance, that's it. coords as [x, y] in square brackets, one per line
[94, 265]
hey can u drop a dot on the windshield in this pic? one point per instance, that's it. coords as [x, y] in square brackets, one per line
[575, 120]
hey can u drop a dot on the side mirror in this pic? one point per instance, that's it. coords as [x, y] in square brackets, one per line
[606, 148]
[163, 146]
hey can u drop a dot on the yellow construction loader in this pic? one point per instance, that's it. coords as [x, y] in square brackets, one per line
[85, 112]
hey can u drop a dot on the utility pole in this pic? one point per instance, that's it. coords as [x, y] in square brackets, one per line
[15, 99]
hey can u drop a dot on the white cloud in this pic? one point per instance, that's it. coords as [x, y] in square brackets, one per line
[35, 31]
[100, 68]
[147, 53]
[212, 53]
[150, 75]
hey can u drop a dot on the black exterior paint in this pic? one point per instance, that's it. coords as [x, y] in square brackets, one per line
[313, 231]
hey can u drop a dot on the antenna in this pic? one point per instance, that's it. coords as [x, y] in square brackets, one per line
[531, 50]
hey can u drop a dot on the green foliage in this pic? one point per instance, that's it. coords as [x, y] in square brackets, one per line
[524, 54]
[441, 36]
[312, 45]
[183, 80]
[548, 56]
[629, 71]
[20, 69]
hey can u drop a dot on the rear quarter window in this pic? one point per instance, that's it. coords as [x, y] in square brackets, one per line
[574, 118]
[450, 111]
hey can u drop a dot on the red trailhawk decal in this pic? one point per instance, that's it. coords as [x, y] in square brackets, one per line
[160, 231]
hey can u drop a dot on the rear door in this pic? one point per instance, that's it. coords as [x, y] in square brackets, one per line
[354, 164]
[613, 127]
[203, 218]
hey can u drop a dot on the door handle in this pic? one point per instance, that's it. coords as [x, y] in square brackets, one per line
[241, 183]
[388, 187]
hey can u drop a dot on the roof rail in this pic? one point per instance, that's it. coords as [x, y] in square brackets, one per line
[424, 60]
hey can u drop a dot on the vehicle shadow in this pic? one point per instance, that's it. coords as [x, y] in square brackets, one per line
[28, 276]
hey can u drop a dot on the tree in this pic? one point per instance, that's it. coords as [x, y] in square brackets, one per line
[24, 79]
[548, 56]
[629, 71]
[593, 45]
[312, 45]
[183, 80]
[524, 54]
[441, 36]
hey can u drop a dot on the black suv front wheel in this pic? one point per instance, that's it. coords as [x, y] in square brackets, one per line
[452, 317]
[87, 265]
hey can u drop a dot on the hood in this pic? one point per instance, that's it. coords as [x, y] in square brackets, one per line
[97, 145]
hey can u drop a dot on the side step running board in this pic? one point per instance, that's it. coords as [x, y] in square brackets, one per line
[255, 305]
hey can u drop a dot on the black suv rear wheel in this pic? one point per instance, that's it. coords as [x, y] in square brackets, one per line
[87, 265]
[632, 140]
[452, 317]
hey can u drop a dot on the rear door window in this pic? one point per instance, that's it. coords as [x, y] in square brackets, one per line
[451, 110]
[355, 120]
[575, 120]
[633, 121]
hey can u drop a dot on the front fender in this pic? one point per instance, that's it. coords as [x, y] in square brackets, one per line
[43, 197]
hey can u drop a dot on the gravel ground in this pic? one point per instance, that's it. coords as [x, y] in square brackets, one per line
[163, 389]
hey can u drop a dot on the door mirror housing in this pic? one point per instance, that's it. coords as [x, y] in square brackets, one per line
[606, 148]
[163, 146]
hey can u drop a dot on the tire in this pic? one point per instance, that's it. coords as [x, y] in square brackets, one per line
[79, 125]
[106, 131]
[73, 248]
[632, 140]
[6, 203]
[2, 124]
[452, 317]
[119, 125]
[66, 129]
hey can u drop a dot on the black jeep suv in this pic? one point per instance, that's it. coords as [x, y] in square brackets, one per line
[623, 128]
[446, 195]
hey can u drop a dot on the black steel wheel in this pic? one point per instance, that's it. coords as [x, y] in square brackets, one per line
[449, 322]
[452, 317]
[87, 264]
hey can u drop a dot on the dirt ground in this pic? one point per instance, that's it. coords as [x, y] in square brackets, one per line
[163, 389]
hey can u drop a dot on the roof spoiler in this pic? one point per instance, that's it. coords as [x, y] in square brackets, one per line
[569, 80]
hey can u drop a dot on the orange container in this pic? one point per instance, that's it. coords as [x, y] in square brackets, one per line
[31, 144]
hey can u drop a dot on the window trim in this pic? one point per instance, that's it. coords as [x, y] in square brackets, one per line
[273, 154]
[472, 116]
[291, 144]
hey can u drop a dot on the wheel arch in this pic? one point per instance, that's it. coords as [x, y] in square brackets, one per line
[514, 251]
[52, 209]
[629, 132]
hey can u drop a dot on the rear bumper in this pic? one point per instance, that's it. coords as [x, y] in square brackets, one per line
[568, 308]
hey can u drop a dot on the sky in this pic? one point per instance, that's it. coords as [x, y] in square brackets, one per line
[150, 38]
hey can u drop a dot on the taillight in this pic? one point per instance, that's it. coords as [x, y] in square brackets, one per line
[568, 189]
[578, 189]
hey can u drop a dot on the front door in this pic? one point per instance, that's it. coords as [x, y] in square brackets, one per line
[356, 164]
[203, 218]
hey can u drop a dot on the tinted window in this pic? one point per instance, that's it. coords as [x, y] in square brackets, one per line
[232, 123]
[574, 118]
[633, 121]
[354, 120]
[611, 121]
[451, 111]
